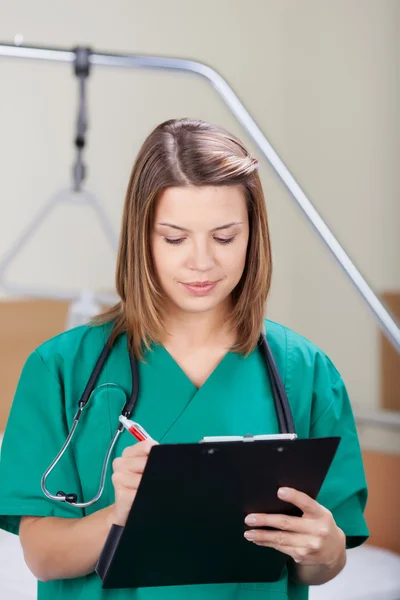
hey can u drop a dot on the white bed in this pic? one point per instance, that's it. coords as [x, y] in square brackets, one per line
[370, 574]
[16, 581]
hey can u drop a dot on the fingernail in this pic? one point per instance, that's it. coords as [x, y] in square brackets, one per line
[250, 535]
[283, 492]
[250, 520]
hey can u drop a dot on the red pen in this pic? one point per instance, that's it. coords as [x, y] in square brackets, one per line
[135, 429]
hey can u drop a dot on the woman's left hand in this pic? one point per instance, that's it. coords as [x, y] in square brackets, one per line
[313, 539]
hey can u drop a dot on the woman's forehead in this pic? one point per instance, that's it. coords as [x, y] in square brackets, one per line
[214, 205]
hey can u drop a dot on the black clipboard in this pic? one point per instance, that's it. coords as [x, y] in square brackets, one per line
[186, 524]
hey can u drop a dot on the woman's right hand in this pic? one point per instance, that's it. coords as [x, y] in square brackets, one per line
[128, 470]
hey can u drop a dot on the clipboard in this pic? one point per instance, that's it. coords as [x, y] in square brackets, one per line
[186, 523]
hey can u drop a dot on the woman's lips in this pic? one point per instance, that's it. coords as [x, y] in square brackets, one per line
[200, 289]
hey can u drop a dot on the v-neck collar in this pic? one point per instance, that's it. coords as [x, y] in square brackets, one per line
[220, 366]
[191, 411]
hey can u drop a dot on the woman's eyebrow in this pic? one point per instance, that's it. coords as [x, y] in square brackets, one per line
[227, 226]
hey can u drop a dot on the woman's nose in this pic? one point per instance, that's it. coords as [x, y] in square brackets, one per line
[201, 258]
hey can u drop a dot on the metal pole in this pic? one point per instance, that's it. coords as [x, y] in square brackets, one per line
[383, 317]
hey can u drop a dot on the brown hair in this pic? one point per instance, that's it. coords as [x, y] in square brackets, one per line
[185, 152]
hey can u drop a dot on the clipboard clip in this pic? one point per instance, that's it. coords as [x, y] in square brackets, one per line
[249, 438]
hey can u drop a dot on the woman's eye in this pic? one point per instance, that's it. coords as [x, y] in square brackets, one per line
[173, 240]
[180, 240]
[224, 240]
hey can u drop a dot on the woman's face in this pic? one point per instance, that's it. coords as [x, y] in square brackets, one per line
[199, 243]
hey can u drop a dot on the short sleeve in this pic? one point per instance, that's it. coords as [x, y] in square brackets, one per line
[35, 432]
[344, 491]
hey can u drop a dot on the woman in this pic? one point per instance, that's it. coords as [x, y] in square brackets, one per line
[193, 275]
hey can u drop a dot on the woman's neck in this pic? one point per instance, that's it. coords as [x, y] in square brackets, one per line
[199, 329]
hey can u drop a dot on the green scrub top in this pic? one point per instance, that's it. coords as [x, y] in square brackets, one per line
[235, 400]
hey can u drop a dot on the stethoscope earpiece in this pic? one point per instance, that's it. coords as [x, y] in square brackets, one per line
[69, 498]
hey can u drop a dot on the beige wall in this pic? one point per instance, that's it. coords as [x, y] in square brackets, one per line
[321, 78]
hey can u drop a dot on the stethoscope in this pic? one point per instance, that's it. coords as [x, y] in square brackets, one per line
[282, 407]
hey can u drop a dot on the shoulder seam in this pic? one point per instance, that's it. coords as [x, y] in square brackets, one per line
[321, 416]
[286, 357]
[47, 368]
